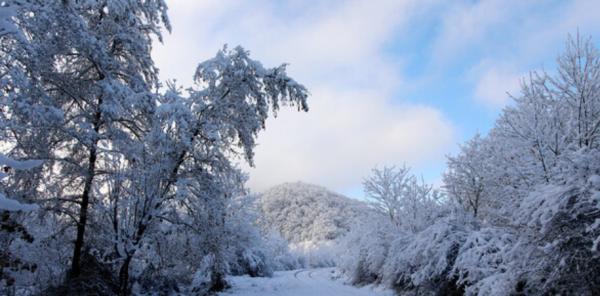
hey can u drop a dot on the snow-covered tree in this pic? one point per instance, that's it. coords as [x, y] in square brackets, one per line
[528, 215]
[539, 172]
[386, 188]
[408, 202]
[74, 91]
[465, 180]
[400, 235]
[186, 155]
[124, 163]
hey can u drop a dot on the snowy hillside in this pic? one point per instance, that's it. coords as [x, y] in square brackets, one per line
[304, 212]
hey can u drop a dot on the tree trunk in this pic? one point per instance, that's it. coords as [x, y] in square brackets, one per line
[85, 201]
[85, 198]
[218, 282]
[124, 277]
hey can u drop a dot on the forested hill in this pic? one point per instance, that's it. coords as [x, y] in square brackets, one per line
[305, 212]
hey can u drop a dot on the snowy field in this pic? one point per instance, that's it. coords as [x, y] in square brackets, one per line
[302, 282]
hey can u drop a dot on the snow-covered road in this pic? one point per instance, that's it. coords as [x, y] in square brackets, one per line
[304, 282]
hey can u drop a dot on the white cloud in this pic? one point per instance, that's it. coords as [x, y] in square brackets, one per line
[468, 26]
[503, 40]
[325, 40]
[336, 49]
[494, 83]
[344, 136]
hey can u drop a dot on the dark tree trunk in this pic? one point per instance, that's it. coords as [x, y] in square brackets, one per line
[85, 198]
[124, 277]
[85, 201]
[218, 282]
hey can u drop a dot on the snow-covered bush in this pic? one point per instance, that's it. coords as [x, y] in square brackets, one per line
[483, 264]
[561, 221]
[423, 262]
[283, 256]
[408, 240]
[248, 252]
[550, 249]
[365, 249]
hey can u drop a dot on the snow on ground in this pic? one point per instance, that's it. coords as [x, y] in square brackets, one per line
[302, 282]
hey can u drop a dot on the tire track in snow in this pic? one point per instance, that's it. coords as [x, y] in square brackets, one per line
[298, 272]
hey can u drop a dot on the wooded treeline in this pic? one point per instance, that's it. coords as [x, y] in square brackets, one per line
[520, 209]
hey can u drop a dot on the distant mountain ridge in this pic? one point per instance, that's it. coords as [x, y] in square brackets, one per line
[304, 212]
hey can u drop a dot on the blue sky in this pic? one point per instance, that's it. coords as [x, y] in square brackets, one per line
[392, 82]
